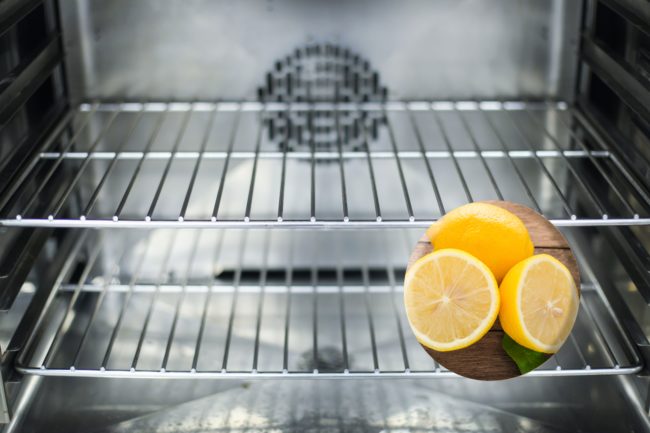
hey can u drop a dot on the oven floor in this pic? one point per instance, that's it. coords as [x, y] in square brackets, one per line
[443, 405]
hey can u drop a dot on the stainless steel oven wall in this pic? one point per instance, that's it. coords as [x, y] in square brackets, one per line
[222, 49]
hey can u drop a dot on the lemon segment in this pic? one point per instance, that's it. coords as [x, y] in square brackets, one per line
[451, 299]
[493, 235]
[539, 303]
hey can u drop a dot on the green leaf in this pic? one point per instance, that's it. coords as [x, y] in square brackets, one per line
[526, 359]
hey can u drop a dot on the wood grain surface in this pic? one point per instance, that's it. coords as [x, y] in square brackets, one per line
[486, 359]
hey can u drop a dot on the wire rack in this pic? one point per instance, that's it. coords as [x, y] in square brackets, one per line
[160, 305]
[244, 164]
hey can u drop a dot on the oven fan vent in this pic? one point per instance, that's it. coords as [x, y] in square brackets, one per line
[323, 73]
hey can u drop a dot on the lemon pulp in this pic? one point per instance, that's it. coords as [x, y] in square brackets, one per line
[539, 303]
[451, 299]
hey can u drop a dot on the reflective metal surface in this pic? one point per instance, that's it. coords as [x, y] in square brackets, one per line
[258, 307]
[445, 405]
[185, 50]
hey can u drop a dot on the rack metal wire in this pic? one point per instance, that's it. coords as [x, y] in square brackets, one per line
[163, 306]
[200, 165]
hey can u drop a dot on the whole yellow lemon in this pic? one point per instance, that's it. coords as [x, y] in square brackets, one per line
[493, 235]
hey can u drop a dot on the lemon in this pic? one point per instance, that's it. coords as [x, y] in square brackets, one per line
[451, 299]
[539, 303]
[493, 235]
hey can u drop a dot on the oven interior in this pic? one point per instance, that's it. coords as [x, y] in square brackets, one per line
[206, 208]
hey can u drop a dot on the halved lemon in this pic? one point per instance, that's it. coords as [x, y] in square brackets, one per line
[451, 299]
[539, 303]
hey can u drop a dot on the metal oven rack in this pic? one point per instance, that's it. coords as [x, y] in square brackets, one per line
[395, 164]
[246, 304]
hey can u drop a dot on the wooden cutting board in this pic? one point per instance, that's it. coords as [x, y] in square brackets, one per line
[486, 359]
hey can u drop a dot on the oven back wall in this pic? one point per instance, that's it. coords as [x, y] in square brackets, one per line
[199, 49]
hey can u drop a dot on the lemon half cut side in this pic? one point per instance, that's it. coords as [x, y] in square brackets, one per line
[451, 299]
[539, 303]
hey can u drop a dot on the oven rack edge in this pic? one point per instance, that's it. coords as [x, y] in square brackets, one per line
[587, 183]
[267, 325]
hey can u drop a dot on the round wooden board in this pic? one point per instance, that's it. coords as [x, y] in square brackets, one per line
[486, 359]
